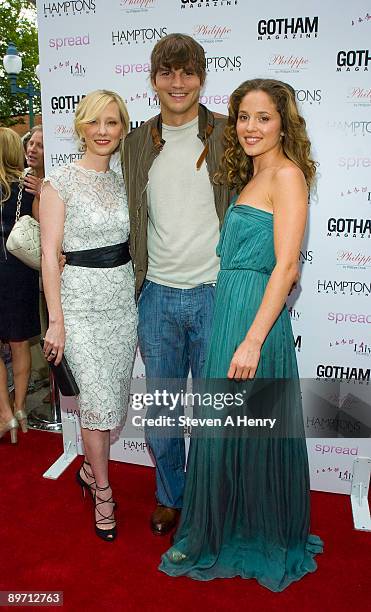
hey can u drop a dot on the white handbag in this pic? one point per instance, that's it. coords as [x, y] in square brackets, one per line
[24, 239]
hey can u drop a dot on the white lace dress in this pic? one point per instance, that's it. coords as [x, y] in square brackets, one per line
[98, 303]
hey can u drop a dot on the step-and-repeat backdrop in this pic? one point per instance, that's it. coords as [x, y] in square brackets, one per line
[324, 53]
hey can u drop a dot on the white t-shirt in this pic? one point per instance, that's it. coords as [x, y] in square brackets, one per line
[183, 226]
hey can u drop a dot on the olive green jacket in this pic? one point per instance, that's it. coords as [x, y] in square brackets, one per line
[141, 147]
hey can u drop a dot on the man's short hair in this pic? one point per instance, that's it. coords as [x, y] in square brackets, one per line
[178, 51]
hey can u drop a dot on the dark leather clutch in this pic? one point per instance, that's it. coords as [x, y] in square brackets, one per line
[63, 377]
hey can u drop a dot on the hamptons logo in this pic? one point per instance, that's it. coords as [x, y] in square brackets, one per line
[60, 159]
[222, 63]
[344, 287]
[311, 96]
[70, 7]
[353, 128]
[136, 36]
[287, 27]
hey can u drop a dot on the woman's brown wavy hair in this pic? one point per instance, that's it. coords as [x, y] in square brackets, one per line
[236, 168]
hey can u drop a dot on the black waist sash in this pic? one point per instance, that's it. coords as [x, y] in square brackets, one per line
[103, 257]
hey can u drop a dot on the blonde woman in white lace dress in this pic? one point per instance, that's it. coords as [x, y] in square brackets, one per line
[92, 313]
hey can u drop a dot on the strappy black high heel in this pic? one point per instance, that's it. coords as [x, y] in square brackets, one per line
[108, 535]
[83, 484]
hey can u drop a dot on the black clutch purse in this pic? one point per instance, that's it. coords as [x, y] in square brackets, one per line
[63, 376]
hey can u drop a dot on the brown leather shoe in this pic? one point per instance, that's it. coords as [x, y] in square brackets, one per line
[164, 520]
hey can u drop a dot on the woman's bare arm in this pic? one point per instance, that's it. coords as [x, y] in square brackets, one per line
[52, 211]
[290, 203]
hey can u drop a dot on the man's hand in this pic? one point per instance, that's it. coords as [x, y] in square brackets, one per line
[33, 184]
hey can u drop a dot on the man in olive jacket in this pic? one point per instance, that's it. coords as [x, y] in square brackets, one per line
[176, 210]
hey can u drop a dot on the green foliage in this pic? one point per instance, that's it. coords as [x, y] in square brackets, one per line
[17, 24]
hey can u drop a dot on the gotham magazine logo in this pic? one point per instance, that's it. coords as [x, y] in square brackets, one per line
[137, 6]
[211, 33]
[68, 8]
[65, 104]
[207, 3]
[359, 96]
[288, 28]
[347, 287]
[343, 372]
[136, 36]
[353, 61]
[345, 228]
[223, 63]
[60, 159]
[309, 96]
[281, 63]
[353, 260]
[353, 128]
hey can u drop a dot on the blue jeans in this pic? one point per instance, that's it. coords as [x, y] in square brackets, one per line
[174, 332]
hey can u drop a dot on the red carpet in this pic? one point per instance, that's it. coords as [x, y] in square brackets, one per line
[47, 543]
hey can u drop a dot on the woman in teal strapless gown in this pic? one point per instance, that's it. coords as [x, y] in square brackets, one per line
[246, 504]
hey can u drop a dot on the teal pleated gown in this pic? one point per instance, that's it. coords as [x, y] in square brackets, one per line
[246, 502]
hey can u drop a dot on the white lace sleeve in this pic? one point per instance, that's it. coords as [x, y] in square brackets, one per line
[60, 180]
[115, 164]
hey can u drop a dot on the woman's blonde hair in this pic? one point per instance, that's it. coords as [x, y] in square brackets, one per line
[92, 105]
[236, 168]
[11, 160]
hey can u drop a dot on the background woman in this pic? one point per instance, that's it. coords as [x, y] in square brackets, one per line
[246, 510]
[19, 287]
[92, 314]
